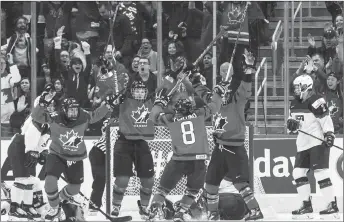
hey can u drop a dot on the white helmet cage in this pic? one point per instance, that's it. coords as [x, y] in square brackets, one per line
[302, 84]
[139, 91]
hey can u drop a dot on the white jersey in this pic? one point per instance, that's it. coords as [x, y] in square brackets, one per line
[314, 119]
[33, 138]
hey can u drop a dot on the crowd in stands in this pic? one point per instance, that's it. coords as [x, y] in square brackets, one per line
[71, 36]
[324, 62]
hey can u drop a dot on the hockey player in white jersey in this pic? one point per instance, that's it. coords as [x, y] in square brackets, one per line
[24, 152]
[309, 113]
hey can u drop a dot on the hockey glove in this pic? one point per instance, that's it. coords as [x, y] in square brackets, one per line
[47, 95]
[161, 98]
[43, 157]
[329, 139]
[293, 124]
[220, 89]
[31, 158]
[114, 100]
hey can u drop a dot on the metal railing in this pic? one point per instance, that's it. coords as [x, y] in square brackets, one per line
[274, 46]
[258, 91]
[294, 15]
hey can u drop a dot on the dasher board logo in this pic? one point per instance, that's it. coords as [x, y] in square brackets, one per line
[71, 140]
[219, 123]
[141, 115]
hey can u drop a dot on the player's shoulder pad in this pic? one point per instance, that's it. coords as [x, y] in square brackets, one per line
[317, 105]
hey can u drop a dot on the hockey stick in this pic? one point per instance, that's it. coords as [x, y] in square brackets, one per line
[112, 219]
[236, 43]
[222, 31]
[319, 139]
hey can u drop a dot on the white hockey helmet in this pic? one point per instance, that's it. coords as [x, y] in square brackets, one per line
[301, 85]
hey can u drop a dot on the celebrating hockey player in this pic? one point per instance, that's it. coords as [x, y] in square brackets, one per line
[67, 149]
[190, 148]
[135, 128]
[24, 152]
[97, 160]
[229, 158]
[309, 113]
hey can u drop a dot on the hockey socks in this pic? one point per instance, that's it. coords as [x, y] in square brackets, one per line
[326, 189]
[145, 195]
[22, 191]
[303, 188]
[248, 196]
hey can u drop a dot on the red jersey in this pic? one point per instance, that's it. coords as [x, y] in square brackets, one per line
[134, 122]
[188, 133]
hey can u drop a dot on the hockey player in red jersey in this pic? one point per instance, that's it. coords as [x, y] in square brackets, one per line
[309, 113]
[229, 158]
[190, 148]
[24, 152]
[67, 149]
[135, 128]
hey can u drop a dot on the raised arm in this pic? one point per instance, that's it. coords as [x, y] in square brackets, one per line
[99, 113]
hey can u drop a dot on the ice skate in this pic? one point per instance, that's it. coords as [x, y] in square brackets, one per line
[214, 215]
[53, 213]
[156, 212]
[304, 212]
[331, 212]
[32, 214]
[144, 211]
[181, 215]
[115, 211]
[16, 213]
[254, 214]
[92, 210]
[5, 207]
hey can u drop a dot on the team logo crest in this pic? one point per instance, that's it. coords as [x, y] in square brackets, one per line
[141, 115]
[71, 140]
[219, 123]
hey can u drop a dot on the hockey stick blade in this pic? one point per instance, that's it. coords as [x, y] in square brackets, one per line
[112, 219]
[120, 219]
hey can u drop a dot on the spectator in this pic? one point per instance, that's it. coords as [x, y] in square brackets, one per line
[339, 26]
[206, 69]
[315, 67]
[122, 35]
[147, 52]
[9, 77]
[329, 44]
[146, 76]
[86, 27]
[173, 50]
[57, 14]
[21, 106]
[76, 84]
[334, 8]
[103, 81]
[334, 99]
[19, 45]
[135, 65]
[137, 15]
[60, 92]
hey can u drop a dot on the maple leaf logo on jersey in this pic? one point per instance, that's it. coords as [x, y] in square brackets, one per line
[141, 115]
[71, 140]
[219, 122]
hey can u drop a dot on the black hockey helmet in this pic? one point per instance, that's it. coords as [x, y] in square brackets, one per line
[71, 108]
[183, 107]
